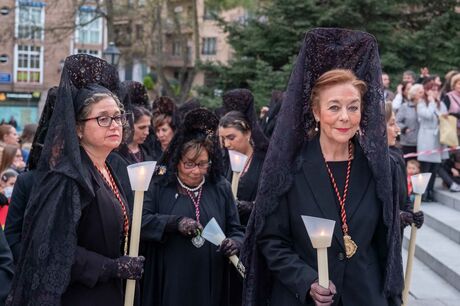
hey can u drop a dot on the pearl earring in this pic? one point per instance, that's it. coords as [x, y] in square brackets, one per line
[316, 127]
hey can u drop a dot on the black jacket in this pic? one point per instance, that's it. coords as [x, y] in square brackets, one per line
[288, 251]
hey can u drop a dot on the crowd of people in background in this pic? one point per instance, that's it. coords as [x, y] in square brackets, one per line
[94, 126]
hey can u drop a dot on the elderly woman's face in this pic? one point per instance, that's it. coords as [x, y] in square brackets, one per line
[103, 129]
[12, 137]
[338, 112]
[193, 167]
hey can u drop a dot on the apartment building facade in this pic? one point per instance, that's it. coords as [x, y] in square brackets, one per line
[37, 35]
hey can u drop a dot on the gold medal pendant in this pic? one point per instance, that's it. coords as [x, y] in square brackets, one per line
[350, 246]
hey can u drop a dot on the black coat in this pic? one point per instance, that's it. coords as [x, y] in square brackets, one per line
[177, 273]
[288, 251]
[16, 211]
[6, 268]
[99, 239]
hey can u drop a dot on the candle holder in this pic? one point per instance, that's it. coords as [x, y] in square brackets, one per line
[237, 162]
[320, 232]
[140, 175]
[419, 184]
[214, 234]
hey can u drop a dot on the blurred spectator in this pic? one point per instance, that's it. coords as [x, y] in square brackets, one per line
[26, 139]
[453, 98]
[450, 172]
[409, 76]
[446, 87]
[7, 181]
[12, 159]
[424, 75]
[428, 111]
[8, 135]
[263, 115]
[387, 93]
[13, 122]
[401, 95]
[407, 119]
[412, 168]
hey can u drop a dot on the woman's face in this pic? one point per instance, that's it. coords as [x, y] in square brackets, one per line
[233, 139]
[102, 139]
[12, 137]
[18, 161]
[338, 113]
[418, 95]
[192, 168]
[457, 86]
[164, 134]
[141, 129]
[406, 90]
[392, 130]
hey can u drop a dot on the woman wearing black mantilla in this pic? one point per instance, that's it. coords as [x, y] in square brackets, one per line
[240, 131]
[181, 267]
[329, 159]
[75, 231]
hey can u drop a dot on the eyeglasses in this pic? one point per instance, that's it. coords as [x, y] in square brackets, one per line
[201, 165]
[106, 121]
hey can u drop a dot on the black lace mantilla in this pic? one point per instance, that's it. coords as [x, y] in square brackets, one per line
[199, 123]
[242, 100]
[323, 49]
[60, 192]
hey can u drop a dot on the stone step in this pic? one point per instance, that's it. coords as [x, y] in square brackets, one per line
[446, 197]
[443, 219]
[428, 288]
[438, 252]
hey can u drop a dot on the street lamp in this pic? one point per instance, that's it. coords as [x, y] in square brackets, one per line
[111, 54]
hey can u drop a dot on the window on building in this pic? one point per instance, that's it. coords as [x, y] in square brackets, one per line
[139, 31]
[29, 63]
[30, 21]
[209, 14]
[89, 27]
[88, 51]
[209, 46]
[176, 48]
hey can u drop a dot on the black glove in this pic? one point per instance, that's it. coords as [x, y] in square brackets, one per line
[189, 227]
[244, 207]
[229, 247]
[419, 218]
[406, 218]
[124, 267]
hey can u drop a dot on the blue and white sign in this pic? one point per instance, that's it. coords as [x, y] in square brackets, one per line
[5, 78]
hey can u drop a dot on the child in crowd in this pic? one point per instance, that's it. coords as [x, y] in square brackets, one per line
[412, 168]
[7, 181]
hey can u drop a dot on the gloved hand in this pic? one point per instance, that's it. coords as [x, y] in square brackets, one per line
[322, 296]
[229, 247]
[406, 218]
[189, 227]
[124, 267]
[419, 218]
[244, 207]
